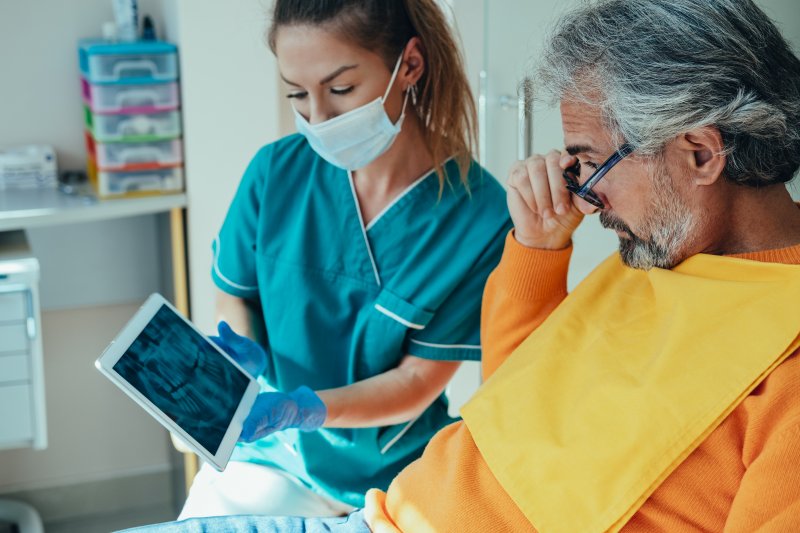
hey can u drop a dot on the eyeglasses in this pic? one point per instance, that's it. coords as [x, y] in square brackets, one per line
[573, 173]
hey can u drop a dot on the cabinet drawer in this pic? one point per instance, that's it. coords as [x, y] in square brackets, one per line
[12, 306]
[133, 128]
[14, 368]
[13, 338]
[109, 184]
[150, 98]
[132, 68]
[16, 414]
[120, 157]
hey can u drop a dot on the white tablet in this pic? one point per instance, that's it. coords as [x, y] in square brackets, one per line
[182, 379]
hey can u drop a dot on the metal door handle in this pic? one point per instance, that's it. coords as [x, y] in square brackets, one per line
[525, 119]
[482, 117]
[523, 104]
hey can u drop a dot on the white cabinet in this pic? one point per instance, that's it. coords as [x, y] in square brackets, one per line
[22, 408]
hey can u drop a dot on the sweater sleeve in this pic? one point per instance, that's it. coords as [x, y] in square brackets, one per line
[521, 292]
[768, 496]
[768, 499]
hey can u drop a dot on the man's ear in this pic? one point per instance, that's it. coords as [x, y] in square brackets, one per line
[413, 66]
[703, 153]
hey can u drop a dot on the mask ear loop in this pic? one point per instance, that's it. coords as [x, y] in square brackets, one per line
[405, 101]
[412, 91]
[394, 76]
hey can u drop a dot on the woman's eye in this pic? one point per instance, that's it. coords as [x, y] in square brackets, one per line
[298, 95]
[341, 90]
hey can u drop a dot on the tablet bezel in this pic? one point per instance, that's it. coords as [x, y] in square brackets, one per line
[122, 342]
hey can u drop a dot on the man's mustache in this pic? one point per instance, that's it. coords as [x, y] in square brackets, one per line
[610, 222]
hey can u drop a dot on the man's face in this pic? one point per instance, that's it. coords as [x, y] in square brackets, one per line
[643, 203]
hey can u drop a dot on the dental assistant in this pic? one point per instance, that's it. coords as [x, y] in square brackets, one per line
[351, 263]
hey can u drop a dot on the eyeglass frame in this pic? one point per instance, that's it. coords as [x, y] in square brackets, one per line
[571, 175]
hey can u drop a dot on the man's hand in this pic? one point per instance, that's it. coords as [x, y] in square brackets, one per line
[543, 211]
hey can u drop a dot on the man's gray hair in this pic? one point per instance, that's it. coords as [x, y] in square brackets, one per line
[659, 68]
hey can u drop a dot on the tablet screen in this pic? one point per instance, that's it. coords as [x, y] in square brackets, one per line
[185, 376]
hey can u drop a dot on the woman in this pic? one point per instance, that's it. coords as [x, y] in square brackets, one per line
[359, 249]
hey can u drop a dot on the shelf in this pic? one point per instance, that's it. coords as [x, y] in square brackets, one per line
[29, 208]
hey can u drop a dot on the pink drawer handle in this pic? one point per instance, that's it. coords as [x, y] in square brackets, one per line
[136, 98]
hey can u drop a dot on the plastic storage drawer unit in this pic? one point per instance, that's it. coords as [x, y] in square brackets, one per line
[113, 184]
[138, 62]
[141, 127]
[135, 156]
[148, 98]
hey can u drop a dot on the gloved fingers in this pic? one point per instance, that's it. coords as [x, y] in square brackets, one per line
[237, 356]
[272, 411]
[228, 335]
[222, 344]
[253, 429]
[244, 350]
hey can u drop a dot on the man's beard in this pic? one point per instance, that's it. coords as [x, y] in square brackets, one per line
[668, 227]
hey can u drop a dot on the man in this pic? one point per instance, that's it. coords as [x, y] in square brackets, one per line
[663, 394]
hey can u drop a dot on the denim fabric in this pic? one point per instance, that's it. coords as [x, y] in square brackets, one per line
[352, 523]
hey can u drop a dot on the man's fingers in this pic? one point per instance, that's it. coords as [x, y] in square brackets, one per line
[559, 195]
[519, 184]
[537, 174]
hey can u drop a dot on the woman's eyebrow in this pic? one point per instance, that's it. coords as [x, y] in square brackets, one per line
[289, 82]
[330, 77]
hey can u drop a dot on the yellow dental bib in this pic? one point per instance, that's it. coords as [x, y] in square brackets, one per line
[625, 379]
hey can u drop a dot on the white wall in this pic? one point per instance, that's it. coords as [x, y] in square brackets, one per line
[786, 14]
[230, 102]
[93, 275]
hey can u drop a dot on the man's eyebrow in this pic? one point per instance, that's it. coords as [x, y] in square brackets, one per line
[330, 77]
[576, 149]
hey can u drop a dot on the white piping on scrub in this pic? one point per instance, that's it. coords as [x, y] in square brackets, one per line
[402, 432]
[363, 230]
[448, 346]
[398, 318]
[402, 194]
[224, 278]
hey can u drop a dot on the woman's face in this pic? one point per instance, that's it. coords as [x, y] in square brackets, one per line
[325, 76]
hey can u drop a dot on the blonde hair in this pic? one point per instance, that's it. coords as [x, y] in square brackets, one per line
[445, 104]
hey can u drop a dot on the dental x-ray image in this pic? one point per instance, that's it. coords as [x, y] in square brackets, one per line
[183, 375]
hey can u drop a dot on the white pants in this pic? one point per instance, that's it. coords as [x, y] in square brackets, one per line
[248, 488]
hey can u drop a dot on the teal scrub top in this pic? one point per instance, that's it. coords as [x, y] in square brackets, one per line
[343, 302]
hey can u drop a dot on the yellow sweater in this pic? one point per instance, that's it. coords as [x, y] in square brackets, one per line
[744, 476]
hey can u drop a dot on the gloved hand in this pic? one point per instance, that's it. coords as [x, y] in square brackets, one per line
[247, 352]
[275, 411]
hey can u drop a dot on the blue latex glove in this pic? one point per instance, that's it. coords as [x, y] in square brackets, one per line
[275, 411]
[247, 352]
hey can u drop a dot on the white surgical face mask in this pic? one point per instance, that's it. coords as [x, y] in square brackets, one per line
[355, 139]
